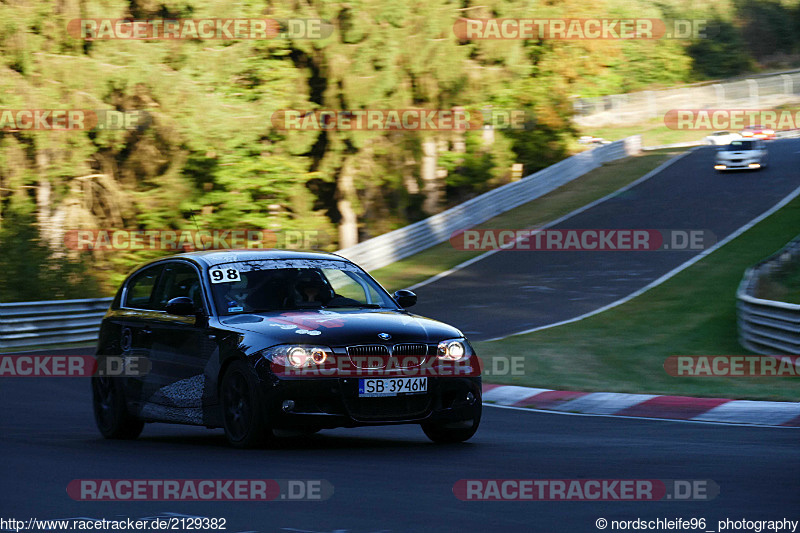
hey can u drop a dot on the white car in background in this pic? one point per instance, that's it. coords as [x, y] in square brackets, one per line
[591, 139]
[742, 154]
[721, 138]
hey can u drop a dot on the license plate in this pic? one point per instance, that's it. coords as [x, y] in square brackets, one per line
[391, 386]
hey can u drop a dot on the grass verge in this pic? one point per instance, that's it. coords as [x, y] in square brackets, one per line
[624, 348]
[567, 198]
[654, 133]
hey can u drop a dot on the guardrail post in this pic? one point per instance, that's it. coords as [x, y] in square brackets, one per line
[719, 93]
[753, 87]
[652, 105]
[788, 90]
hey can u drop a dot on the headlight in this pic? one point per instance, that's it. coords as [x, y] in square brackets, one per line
[298, 356]
[451, 350]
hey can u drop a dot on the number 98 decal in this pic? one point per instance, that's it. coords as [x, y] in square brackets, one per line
[224, 275]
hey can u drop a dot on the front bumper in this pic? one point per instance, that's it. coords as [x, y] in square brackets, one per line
[324, 403]
[739, 164]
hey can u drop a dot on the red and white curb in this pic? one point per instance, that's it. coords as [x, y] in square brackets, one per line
[721, 410]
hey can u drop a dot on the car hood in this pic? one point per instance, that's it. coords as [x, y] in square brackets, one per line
[342, 327]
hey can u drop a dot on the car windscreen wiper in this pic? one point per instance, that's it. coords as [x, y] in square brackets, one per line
[365, 306]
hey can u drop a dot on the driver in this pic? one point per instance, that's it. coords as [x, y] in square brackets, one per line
[311, 286]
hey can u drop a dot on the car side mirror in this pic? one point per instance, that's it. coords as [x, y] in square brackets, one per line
[405, 298]
[181, 306]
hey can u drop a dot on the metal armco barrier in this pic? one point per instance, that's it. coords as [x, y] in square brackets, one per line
[765, 326]
[757, 91]
[50, 323]
[28, 324]
[395, 245]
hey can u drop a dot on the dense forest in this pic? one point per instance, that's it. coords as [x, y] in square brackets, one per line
[211, 157]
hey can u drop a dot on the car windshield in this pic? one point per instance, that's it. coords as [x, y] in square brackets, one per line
[277, 285]
[736, 146]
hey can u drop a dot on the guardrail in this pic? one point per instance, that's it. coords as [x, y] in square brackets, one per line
[764, 90]
[50, 323]
[28, 324]
[768, 327]
[395, 245]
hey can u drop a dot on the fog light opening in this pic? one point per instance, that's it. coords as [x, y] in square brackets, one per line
[470, 398]
[287, 406]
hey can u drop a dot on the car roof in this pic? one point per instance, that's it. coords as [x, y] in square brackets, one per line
[211, 258]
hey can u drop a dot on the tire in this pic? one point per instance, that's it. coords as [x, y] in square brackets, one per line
[441, 434]
[110, 413]
[243, 409]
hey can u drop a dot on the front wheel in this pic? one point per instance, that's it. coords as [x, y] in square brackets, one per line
[243, 411]
[110, 412]
[450, 432]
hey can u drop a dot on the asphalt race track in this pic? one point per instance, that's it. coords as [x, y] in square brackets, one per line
[392, 478]
[513, 291]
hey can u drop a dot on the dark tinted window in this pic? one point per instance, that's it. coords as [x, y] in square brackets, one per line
[179, 279]
[248, 287]
[736, 146]
[140, 288]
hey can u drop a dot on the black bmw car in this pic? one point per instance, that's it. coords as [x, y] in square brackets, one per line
[255, 341]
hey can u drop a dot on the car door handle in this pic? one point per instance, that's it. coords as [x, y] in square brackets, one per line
[147, 331]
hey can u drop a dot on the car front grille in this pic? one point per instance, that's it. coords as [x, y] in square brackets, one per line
[370, 356]
[375, 356]
[410, 349]
[367, 349]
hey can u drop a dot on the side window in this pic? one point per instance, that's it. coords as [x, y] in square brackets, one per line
[140, 288]
[352, 286]
[180, 279]
[344, 285]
